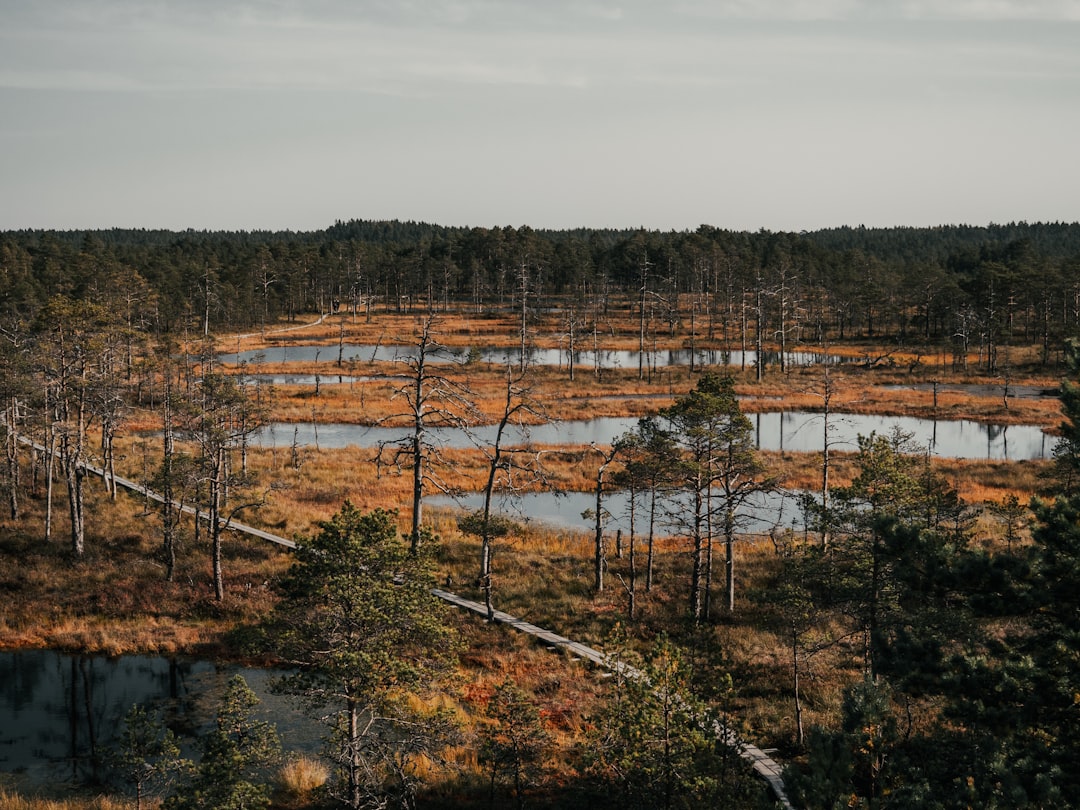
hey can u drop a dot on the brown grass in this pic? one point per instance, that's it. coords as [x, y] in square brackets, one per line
[620, 393]
[857, 389]
[299, 778]
[13, 801]
[115, 600]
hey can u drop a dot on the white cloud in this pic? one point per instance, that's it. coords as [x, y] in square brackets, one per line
[909, 10]
[594, 111]
[992, 10]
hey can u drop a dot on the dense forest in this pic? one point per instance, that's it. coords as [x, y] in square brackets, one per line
[969, 287]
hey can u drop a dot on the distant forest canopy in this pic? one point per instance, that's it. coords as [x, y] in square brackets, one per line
[994, 284]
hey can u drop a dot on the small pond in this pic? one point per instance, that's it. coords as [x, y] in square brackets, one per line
[586, 359]
[572, 511]
[57, 711]
[316, 379]
[790, 430]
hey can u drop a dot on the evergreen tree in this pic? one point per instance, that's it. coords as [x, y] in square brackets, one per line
[514, 745]
[851, 767]
[146, 756]
[719, 471]
[359, 622]
[235, 755]
[658, 746]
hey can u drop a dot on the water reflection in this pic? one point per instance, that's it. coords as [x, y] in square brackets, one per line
[790, 431]
[337, 435]
[953, 438]
[59, 713]
[317, 379]
[585, 359]
[573, 511]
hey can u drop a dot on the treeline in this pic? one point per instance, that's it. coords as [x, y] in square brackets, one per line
[971, 288]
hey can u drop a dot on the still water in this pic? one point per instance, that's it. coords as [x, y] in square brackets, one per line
[59, 712]
[790, 430]
[315, 379]
[585, 359]
[573, 511]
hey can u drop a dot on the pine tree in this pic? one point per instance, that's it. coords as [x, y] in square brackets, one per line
[657, 744]
[514, 745]
[719, 471]
[361, 625]
[146, 756]
[235, 754]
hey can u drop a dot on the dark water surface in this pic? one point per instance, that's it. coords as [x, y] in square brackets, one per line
[58, 711]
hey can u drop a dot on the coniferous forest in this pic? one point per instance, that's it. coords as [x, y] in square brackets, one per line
[1011, 282]
[912, 642]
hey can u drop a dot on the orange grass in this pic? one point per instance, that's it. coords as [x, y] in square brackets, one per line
[299, 778]
[543, 575]
[115, 600]
[13, 801]
[620, 393]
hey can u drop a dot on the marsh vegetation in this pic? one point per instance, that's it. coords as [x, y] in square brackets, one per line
[911, 582]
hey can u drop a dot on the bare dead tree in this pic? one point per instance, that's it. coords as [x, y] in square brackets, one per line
[599, 514]
[643, 294]
[432, 400]
[16, 389]
[509, 469]
[220, 419]
[71, 344]
[571, 325]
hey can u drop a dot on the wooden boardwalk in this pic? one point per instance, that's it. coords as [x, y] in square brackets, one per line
[764, 765]
[767, 768]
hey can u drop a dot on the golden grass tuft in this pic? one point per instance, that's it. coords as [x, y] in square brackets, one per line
[299, 778]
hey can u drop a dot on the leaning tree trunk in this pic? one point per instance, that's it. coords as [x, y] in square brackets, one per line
[12, 451]
[729, 559]
[73, 475]
[216, 504]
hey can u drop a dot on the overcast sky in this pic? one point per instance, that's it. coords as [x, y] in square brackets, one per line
[743, 114]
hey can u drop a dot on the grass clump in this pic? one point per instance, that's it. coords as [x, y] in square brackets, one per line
[299, 780]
